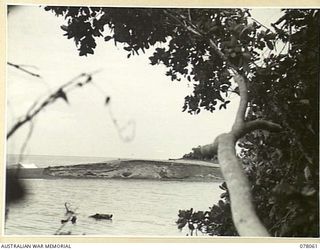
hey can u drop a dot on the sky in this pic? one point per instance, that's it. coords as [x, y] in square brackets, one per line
[143, 99]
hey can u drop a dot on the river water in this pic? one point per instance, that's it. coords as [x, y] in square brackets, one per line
[139, 207]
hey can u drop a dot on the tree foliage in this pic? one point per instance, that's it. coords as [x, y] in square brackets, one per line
[283, 168]
[184, 54]
[281, 67]
[197, 155]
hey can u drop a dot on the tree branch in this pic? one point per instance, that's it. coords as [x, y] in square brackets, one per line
[188, 25]
[243, 212]
[22, 69]
[37, 108]
[243, 92]
[174, 17]
[257, 124]
[244, 216]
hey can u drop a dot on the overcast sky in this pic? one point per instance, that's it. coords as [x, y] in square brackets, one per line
[139, 92]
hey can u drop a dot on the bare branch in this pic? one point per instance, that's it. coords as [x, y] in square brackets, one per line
[258, 124]
[243, 91]
[210, 150]
[27, 139]
[121, 129]
[19, 67]
[187, 24]
[243, 212]
[174, 16]
[37, 108]
[189, 15]
[262, 25]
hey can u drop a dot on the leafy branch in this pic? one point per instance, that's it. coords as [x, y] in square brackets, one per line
[243, 212]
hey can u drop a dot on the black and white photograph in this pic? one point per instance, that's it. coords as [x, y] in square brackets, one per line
[153, 121]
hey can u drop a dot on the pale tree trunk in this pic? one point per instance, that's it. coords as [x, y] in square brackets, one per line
[244, 215]
[243, 211]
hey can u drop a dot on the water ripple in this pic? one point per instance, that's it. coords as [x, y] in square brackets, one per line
[139, 208]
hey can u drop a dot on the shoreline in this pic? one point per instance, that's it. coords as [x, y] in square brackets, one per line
[164, 170]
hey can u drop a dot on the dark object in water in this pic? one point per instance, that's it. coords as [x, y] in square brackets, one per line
[15, 189]
[63, 233]
[102, 216]
[68, 211]
[64, 221]
[74, 219]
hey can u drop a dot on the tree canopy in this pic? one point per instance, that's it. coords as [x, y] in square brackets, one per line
[186, 53]
[224, 51]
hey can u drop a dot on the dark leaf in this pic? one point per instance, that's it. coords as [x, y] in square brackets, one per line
[223, 195]
[191, 226]
[107, 100]
[61, 94]
[270, 45]
[107, 38]
[182, 223]
[82, 53]
[222, 106]
[65, 28]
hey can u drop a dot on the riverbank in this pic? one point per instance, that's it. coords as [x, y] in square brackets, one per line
[130, 169]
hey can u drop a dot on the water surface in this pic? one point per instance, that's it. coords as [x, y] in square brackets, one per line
[139, 207]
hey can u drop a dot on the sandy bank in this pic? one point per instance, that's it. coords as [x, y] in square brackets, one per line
[132, 169]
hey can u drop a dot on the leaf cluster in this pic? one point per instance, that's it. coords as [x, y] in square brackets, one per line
[283, 168]
[216, 221]
[196, 154]
[185, 52]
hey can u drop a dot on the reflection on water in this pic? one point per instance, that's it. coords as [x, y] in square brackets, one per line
[139, 207]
